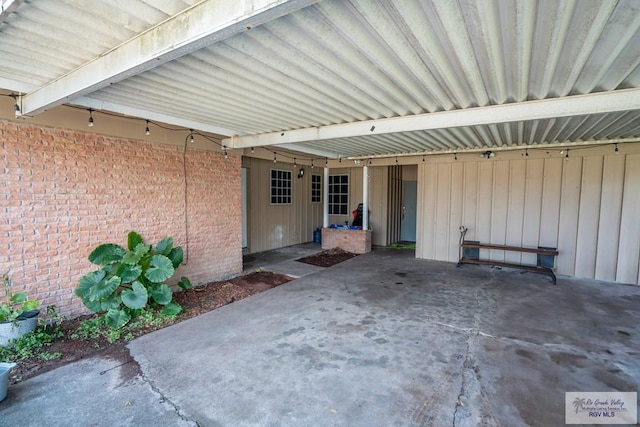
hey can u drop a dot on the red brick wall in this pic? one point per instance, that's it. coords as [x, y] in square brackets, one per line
[64, 192]
[354, 241]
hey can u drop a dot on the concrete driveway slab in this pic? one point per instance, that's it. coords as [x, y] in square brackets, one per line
[92, 392]
[382, 339]
[388, 340]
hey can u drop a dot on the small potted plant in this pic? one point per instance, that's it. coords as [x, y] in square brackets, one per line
[18, 314]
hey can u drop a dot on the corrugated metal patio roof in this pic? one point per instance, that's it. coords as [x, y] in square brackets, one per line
[338, 78]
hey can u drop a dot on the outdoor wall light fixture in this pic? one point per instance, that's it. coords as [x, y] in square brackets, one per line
[90, 124]
[301, 173]
[16, 106]
[488, 154]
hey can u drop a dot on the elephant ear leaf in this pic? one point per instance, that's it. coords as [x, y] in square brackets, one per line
[128, 273]
[184, 283]
[106, 254]
[133, 240]
[164, 246]
[88, 282]
[176, 255]
[105, 288]
[136, 297]
[117, 318]
[171, 309]
[134, 256]
[109, 303]
[161, 294]
[160, 269]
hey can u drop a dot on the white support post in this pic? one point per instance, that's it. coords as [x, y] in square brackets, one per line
[325, 208]
[365, 197]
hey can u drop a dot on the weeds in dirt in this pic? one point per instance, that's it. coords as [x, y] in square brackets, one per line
[32, 345]
[97, 327]
[59, 341]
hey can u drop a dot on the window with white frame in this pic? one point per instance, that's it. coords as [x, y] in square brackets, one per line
[338, 194]
[316, 188]
[280, 187]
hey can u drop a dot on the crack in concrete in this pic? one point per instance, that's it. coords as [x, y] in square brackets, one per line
[473, 333]
[166, 400]
[462, 392]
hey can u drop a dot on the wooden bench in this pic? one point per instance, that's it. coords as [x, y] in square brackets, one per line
[470, 254]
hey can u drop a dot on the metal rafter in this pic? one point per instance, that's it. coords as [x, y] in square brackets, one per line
[205, 23]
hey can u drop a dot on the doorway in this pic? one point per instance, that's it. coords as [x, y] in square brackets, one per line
[244, 208]
[409, 209]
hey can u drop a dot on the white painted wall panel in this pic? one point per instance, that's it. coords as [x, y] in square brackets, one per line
[430, 184]
[470, 200]
[610, 211]
[588, 207]
[378, 204]
[551, 192]
[500, 207]
[569, 208]
[457, 201]
[629, 247]
[443, 212]
[589, 214]
[532, 207]
[515, 215]
[482, 232]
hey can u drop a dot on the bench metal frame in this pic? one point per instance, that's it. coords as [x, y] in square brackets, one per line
[546, 256]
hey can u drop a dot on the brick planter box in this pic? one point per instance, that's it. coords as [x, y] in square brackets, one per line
[354, 241]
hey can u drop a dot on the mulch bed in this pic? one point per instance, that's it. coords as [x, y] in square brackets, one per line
[328, 258]
[194, 301]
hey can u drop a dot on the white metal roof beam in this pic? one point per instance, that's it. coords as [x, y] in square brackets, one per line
[595, 103]
[201, 25]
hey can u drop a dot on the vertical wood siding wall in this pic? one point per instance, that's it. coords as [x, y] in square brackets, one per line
[588, 207]
[275, 226]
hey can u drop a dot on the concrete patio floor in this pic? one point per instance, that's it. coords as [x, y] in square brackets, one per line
[382, 339]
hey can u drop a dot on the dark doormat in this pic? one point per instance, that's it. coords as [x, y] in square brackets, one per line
[327, 258]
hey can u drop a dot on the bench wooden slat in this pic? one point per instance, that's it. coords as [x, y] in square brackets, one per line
[538, 251]
[472, 257]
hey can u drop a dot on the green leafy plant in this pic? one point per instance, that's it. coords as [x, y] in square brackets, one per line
[32, 345]
[131, 280]
[15, 304]
[97, 328]
[52, 317]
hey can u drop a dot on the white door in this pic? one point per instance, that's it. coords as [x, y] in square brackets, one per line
[409, 208]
